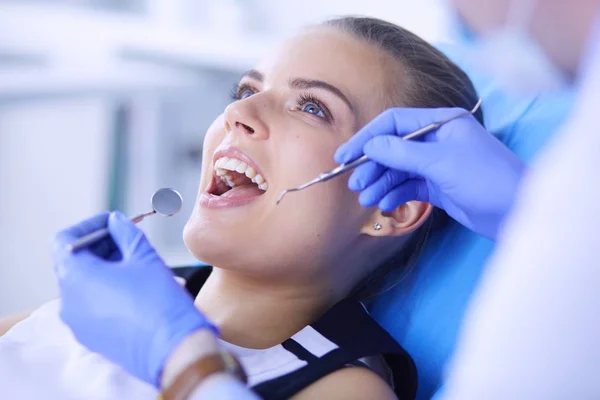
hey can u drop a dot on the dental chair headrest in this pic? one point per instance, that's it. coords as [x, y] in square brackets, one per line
[424, 313]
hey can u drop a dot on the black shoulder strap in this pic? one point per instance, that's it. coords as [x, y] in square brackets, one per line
[357, 335]
[194, 276]
[350, 327]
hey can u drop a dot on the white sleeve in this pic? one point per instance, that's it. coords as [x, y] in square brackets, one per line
[223, 387]
[533, 327]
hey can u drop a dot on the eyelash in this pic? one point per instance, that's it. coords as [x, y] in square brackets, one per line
[309, 98]
[237, 90]
[303, 99]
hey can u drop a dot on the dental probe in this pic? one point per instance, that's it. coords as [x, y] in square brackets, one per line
[165, 201]
[340, 169]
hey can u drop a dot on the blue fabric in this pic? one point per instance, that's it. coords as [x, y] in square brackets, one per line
[424, 314]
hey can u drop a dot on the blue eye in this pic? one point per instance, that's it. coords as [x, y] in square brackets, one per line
[241, 91]
[244, 94]
[313, 109]
[310, 104]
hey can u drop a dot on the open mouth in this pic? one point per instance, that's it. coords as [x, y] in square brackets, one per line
[233, 178]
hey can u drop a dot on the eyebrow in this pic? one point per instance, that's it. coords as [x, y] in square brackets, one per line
[302, 83]
[254, 74]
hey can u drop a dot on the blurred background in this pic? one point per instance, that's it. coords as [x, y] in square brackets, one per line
[104, 101]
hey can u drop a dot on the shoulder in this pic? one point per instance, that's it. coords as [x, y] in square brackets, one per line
[6, 323]
[348, 383]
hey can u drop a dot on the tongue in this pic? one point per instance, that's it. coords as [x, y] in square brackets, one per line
[243, 191]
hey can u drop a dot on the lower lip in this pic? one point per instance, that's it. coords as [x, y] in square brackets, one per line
[208, 200]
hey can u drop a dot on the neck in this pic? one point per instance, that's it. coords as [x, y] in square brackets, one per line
[253, 313]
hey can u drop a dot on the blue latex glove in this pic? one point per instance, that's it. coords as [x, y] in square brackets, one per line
[120, 299]
[460, 167]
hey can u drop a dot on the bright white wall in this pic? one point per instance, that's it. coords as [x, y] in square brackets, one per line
[424, 17]
[53, 159]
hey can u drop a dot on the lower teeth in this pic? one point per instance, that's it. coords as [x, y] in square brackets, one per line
[229, 181]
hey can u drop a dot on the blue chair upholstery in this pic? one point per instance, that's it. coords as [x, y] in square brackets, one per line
[424, 314]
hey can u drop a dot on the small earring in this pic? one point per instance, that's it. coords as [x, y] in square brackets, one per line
[377, 226]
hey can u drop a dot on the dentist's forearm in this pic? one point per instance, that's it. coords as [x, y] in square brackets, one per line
[221, 386]
[195, 346]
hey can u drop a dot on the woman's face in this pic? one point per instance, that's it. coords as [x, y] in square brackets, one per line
[289, 116]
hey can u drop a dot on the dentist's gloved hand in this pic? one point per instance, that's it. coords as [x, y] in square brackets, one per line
[460, 167]
[120, 299]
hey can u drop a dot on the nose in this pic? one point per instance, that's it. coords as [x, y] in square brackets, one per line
[243, 117]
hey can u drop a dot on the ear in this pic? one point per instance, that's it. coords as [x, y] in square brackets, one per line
[401, 221]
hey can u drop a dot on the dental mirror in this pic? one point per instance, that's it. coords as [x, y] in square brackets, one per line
[166, 202]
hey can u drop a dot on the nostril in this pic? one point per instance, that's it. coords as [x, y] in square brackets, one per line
[246, 127]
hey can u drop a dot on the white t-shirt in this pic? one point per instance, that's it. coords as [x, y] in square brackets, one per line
[41, 359]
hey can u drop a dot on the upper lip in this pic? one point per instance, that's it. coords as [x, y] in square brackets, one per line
[234, 152]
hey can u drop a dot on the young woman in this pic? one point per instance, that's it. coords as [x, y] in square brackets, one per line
[288, 281]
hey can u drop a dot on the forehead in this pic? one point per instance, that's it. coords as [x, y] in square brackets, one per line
[359, 69]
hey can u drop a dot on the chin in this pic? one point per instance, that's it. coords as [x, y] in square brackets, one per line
[231, 250]
[202, 241]
[209, 242]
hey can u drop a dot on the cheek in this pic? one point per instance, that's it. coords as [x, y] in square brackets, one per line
[321, 222]
[304, 155]
[327, 212]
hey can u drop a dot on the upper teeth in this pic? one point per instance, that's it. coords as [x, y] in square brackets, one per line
[225, 164]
